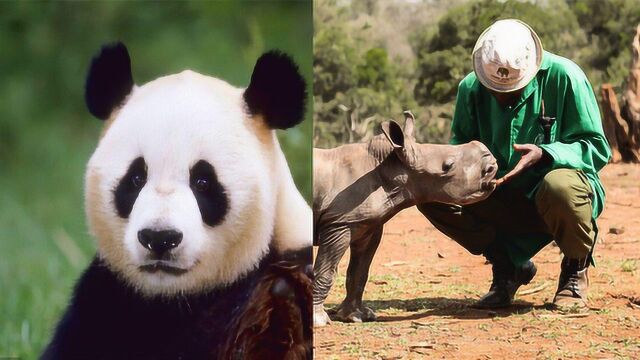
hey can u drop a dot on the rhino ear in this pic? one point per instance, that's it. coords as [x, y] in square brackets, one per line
[277, 91]
[393, 132]
[109, 80]
[409, 123]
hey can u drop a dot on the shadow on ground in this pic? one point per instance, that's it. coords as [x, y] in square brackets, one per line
[421, 308]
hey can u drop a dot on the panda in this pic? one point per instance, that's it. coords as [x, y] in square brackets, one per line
[203, 240]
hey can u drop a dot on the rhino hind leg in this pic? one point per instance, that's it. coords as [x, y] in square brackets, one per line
[332, 246]
[352, 309]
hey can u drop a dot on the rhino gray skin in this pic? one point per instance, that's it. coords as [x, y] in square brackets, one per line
[359, 187]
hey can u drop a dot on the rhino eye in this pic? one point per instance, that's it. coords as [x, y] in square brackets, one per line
[447, 165]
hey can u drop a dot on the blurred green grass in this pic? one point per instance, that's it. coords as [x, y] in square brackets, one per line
[46, 134]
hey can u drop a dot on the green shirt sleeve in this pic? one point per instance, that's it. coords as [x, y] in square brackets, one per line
[579, 142]
[462, 126]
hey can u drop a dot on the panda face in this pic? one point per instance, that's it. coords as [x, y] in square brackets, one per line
[182, 190]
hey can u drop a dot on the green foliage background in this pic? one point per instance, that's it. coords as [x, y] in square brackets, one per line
[373, 59]
[46, 134]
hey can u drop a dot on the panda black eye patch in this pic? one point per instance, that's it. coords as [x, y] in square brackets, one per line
[126, 193]
[210, 194]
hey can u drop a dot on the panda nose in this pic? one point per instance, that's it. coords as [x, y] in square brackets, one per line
[159, 241]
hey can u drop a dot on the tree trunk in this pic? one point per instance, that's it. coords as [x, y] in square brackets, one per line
[631, 94]
[616, 129]
[610, 120]
[622, 127]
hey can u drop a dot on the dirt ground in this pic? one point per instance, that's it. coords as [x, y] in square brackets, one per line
[422, 283]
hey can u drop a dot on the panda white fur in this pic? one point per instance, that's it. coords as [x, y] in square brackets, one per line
[191, 200]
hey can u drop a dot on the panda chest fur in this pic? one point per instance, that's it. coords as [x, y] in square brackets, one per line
[124, 322]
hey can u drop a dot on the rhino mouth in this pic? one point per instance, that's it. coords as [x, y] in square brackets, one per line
[489, 176]
[488, 185]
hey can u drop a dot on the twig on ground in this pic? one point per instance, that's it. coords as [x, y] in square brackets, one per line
[632, 305]
[534, 290]
[395, 263]
[421, 347]
[564, 316]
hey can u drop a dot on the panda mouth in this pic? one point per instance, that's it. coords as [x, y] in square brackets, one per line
[162, 266]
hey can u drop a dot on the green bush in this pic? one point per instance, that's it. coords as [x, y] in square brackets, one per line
[363, 73]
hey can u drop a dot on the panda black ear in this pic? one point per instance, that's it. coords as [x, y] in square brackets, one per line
[277, 91]
[109, 80]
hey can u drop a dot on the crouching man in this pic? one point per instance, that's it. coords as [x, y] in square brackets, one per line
[538, 115]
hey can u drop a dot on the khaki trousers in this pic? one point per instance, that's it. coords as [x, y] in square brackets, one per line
[561, 210]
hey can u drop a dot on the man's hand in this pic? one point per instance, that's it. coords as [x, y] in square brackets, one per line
[531, 154]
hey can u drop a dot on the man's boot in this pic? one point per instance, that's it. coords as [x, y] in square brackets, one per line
[507, 278]
[572, 285]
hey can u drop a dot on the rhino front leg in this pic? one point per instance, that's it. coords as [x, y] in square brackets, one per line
[331, 247]
[352, 309]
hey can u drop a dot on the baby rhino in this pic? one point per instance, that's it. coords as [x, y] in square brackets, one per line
[359, 187]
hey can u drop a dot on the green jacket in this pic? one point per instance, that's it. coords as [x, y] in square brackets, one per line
[577, 137]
